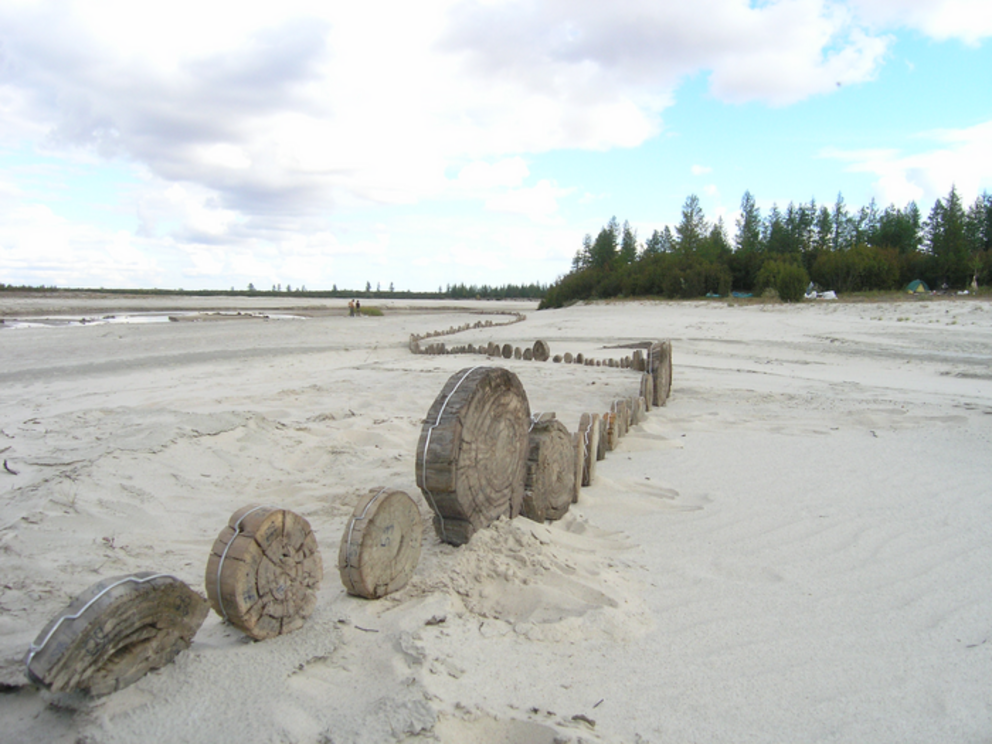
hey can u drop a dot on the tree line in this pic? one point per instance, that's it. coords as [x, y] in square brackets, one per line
[838, 248]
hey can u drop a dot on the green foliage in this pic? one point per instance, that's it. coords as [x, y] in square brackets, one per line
[786, 277]
[373, 312]
[863, 268]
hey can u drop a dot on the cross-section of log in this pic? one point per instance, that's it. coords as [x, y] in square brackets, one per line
[264, 571]
[578, 464]
[541, 351]
[660, 367]
[550, 481]
[589, 429]
[380, 547]
[471, 458]
[115, 632]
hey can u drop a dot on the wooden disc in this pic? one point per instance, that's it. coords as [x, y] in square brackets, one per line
[612, 430]
[518, 353]
[264, 571]
[647, 390]
[660, 367]
[507, 351]
[471, 458]
[528, 355]
[550, 483]
[115, 632]
[578, 464]
[589, 429]
[380, 547]
[541, 351]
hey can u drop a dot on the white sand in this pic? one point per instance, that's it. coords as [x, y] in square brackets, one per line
[798, 547]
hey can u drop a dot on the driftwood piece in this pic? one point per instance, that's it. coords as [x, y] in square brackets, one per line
[550, 483]
[507, 351]
[528, 355]
[589, 429]
[264, 571]
[646, 390]
[115, 632]
[541, 351]
[472, 454]
[381, 544]
[518, 353]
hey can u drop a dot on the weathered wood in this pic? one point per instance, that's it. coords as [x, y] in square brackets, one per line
[610, 424]
[264, 571]
[518, 353]
[550, 482]
[556, 359]
[567, 357]
[578, 463]
[115, 632]
[589, 429]
[471, 458]
[660, 367]
[579, 358]
[528, 355]
[507, 351]
[647, 390]
[541, 351]
[381, 544]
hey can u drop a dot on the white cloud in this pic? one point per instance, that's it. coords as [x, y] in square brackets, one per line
[539, 202]
[701, 170]
[967, 20]
[962, 157]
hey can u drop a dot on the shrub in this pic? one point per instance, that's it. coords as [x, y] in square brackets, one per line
[788, 279]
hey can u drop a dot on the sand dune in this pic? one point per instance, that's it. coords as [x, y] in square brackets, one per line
[798, 547]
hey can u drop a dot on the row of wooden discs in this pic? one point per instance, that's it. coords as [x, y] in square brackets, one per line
[262, 576]
[481, 455]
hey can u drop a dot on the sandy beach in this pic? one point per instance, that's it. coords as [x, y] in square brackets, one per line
[797, 547]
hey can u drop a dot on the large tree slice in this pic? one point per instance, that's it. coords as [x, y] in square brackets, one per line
[550, 483]
[472, 454]
[115, 632]
[541, 351]
[380, 547]
[264, 571]
[589, 429]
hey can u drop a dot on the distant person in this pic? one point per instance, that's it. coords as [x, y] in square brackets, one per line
[351, 308]
[358, 308]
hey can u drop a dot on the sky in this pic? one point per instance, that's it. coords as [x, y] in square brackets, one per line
[209, 145]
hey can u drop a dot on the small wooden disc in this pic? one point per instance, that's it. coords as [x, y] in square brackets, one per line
[264, 571]
[550, 484]
[115, 632]
[380, 547]
[541, 351]
[589, 429]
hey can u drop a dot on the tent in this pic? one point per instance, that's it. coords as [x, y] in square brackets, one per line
[917, 286]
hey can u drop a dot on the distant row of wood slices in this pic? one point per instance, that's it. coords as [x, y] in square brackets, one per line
[481, 456]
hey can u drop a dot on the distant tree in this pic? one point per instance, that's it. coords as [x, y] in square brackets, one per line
[368, 287]
[628, 244]
[334, 287]
[251, 287]
[289, 288]
[716, 248]
[378, 286]
[841, 224]
[692, 229]
[603, 252]
[748, 236]
[947, 241]
[391, 287]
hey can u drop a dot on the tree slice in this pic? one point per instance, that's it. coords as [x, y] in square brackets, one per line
[380, 547]
[507, 351]
[660, 367]
[518, 353]
[647, 390]
[115, 632]
[611, 426]
[550, 480]
[541, 351]
[578, 463]
[264, 571]
[471, 458]
[589, 429]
